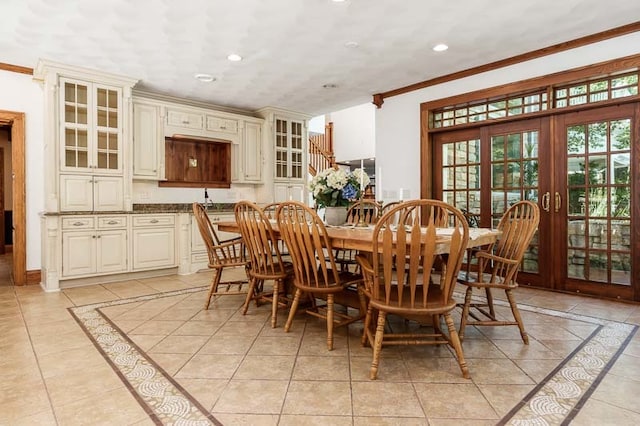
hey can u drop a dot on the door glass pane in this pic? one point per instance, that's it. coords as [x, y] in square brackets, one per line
[576, 235]
[447, 155]
[576, 264]
[577, 201]
[597, 169]
[620, 134]
[598, 137]
[576, 170]
[576, 139]
[497, 148]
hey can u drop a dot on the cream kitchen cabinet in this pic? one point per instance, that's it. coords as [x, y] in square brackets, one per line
[93, 245]
[284, 191]
[221, 124]
[185, 119]
[285, 166]
[91, 193]
[246, 155]
[154, 241]
[148, 142]
[87, 138]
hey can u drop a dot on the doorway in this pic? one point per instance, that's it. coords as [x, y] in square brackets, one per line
[487, 169]
[15, 121]
[584, 175]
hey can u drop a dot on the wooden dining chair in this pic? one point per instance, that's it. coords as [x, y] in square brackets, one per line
[222, 255]
[315, 268]
[498, 267]
[266, 262]
[399, 278]
[369, 211]
[270, 212]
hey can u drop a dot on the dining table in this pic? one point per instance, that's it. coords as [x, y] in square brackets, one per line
[360, 238]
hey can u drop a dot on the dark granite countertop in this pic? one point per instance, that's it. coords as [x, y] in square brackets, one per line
[153, 208]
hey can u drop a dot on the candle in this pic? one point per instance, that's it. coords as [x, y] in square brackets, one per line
[379, 183]
[362, 177]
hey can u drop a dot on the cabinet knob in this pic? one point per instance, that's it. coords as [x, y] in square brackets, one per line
[93, 236]
[112, 222]
[185, 121]
[78, 223]
[154, 221]
[223, 127]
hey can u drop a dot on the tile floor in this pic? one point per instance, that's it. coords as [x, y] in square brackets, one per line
[144, 352]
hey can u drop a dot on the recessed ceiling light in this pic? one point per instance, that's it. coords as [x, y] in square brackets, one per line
[338, 1]
[207, 78]
[330, 86]
[440, 47]
[234, 57]
[351, 44]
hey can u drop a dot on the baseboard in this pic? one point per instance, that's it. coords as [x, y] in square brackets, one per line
[34, 277]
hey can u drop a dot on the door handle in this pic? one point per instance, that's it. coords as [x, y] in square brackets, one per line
[558, 202]
[545, 201]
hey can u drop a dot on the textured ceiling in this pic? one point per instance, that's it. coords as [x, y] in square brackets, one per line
[291, 47]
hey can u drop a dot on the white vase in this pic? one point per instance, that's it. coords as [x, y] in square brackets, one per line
[335, 216]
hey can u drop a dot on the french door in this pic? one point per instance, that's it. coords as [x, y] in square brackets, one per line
[598, 201]
[485, 170]
[585, 177]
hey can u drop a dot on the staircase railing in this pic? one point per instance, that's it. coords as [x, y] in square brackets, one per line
[321, 151]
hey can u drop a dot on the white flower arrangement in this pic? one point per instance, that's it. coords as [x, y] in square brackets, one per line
[337, 187]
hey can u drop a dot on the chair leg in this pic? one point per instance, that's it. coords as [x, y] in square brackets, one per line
[250, 295]
[465, 311]
[274, 303]
[516, 316]
[435, 322]
[330, 322]
[363, 301]
[377, 345]
[457, 346]
[292, 310]
[367, 324]
[492, 311]
[215, 281]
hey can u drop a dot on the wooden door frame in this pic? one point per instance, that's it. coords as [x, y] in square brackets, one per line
[16, 121]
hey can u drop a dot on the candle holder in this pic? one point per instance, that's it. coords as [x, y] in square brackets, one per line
[361, 223]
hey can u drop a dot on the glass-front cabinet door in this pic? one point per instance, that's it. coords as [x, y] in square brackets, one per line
[91, 130]
[289, 149]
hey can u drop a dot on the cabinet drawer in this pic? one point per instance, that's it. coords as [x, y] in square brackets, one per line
[155, 220]
[109, 222]
[78, 222]
[219, 124]
[184, 119]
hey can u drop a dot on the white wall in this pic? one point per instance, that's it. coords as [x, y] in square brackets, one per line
[18, 93]
[354, 132]
[316, 124]
[397, 130]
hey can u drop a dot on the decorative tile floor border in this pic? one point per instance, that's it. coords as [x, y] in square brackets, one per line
[554, 401]
[164, 400]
